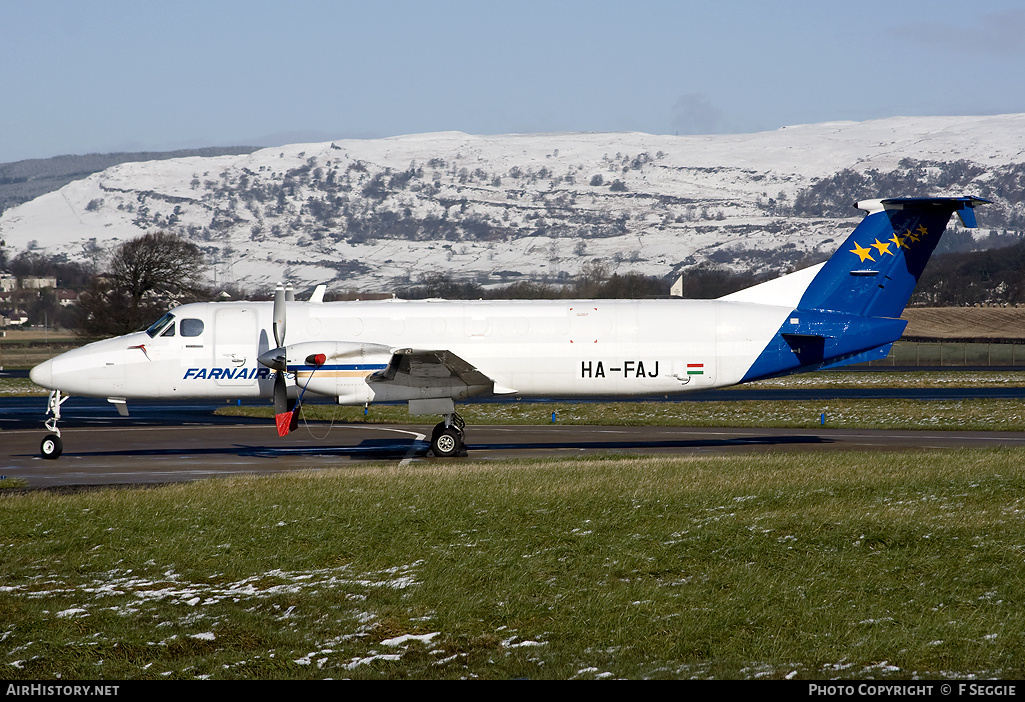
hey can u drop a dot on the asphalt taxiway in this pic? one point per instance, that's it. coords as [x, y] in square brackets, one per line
[159, 446]
[164, 441]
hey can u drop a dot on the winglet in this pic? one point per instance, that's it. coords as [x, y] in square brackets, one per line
[967, 211]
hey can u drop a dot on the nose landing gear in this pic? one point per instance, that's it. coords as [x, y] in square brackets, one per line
[52, 446]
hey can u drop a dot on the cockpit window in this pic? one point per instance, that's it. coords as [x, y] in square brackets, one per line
[169, 331]
[191, 327]
[159, 325]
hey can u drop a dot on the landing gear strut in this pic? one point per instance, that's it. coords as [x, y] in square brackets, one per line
[447, 438]
[52, 446]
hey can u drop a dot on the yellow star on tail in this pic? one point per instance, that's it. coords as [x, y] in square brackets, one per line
[898, 241]
[881, 247]
[863, 253]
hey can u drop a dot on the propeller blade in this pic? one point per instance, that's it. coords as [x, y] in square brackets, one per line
[279, 315]
[282, 411]
[285, 416]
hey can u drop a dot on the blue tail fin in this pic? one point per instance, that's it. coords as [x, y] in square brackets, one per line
[850, 311]
[875, 271]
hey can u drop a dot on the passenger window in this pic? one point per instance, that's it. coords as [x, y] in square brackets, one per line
[191, 327]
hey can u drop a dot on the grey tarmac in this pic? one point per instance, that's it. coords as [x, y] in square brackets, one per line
[125, 455]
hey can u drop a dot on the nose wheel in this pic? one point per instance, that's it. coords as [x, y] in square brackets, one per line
[52, 446]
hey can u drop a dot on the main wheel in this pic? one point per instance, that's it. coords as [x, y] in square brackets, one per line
[51, 447]
[447, 443]
[438, 428]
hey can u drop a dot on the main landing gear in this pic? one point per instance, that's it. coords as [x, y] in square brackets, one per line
[447, 438]
[52, 446]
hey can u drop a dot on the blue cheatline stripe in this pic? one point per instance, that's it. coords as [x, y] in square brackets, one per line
[340, 367]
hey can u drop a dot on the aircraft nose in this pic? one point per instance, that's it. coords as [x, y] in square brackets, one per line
[42, 374]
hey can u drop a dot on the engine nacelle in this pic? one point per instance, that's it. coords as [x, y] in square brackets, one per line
[337, 368]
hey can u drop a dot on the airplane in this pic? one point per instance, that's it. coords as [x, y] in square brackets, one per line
[432, 353]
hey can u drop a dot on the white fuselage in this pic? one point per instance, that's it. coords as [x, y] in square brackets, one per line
[559, 348]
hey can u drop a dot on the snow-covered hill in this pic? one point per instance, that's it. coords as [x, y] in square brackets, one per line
[371, 215]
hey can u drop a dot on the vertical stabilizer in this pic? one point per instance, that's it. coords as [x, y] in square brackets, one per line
[850, 309]
[876, 269]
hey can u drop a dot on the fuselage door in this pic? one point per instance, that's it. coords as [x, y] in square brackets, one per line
[235, 340]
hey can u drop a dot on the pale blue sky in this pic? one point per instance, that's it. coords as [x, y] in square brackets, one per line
[81, 76]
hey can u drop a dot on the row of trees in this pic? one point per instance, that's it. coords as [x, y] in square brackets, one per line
[956, 279]
[996, 276]
[834, 196]
[145, 276]
[595, 281]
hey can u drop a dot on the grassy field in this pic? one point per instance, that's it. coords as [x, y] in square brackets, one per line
[26, 348]
[853, 565]
[965, 322]
[20, 387]
[881, 565]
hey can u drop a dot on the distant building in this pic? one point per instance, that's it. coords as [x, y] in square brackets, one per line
[11, 318]
[677, 289]
[66, 298]
[38, 282]
[8, 282]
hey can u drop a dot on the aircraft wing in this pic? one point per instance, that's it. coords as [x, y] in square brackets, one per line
[426, 368]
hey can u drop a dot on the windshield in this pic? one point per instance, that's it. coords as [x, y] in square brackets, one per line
[158, 325]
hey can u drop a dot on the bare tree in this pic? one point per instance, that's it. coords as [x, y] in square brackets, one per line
[146, 275]
[158, 262]
[593, 275]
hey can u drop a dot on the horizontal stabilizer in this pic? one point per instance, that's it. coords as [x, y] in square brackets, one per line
[963, 206]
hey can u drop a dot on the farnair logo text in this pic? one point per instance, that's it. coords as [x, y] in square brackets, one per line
[227, 374]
